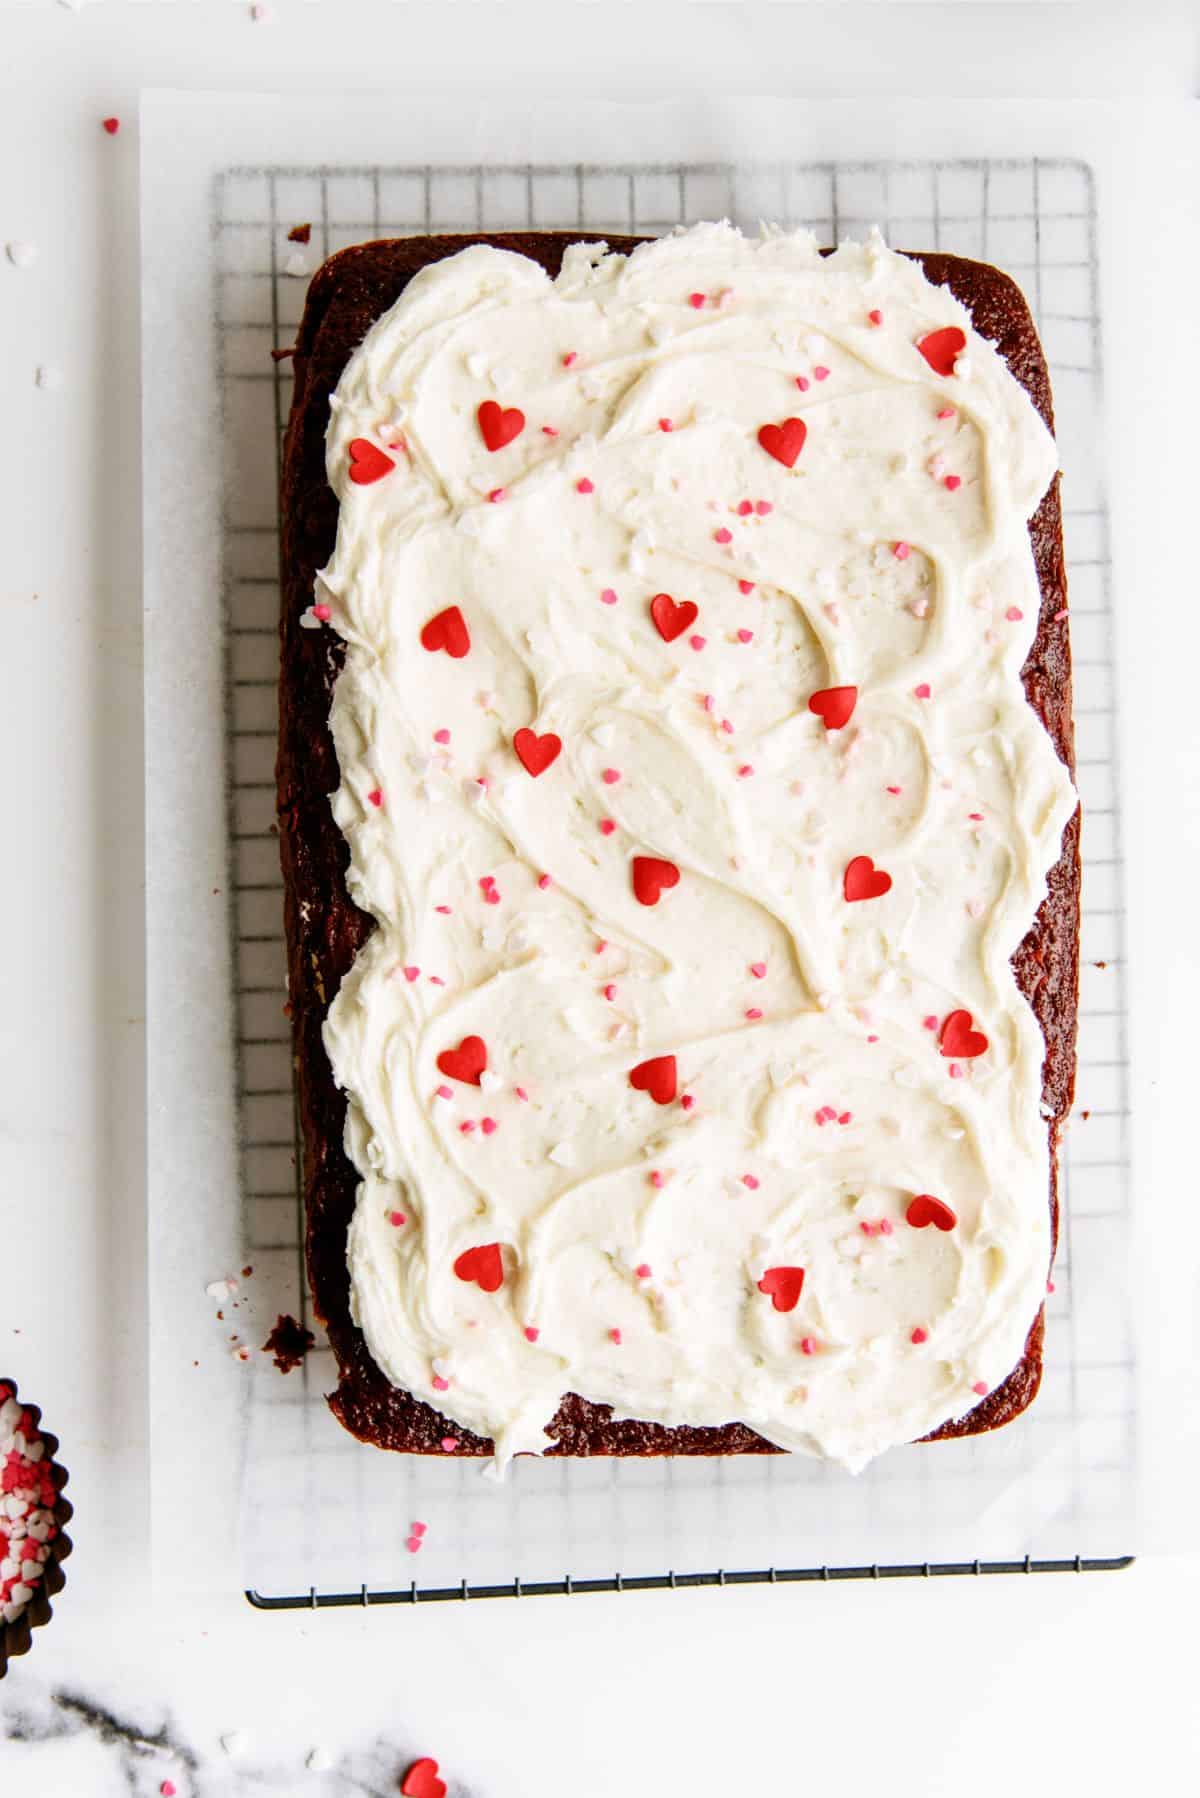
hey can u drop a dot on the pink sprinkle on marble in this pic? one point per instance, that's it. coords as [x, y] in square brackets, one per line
[895, 789]
[445, 1092]
[449, 1444]
[698, 643]
[396, 1219]
[952, 483]
[750, 1181]
[375, 796]
[544, 882]
[808, 1345]
[724, 535]
[975, 817]
[549, 430]
[687, 1101]
[901, 551]
[763, 507]
[642, 1270]
[745, 586]
[615, 1336]
[923, 691]
[607, 827]
[919, 1335]
[1014, 614]
[570, 358]
[609, 991]
[489, 1126]
[443, 909]
[980, 1387]
[496, 495]
[946, 412]
[802, 383]
[820, 373]
[323, 613]
[746, 770]
[531, 1333]
[585, 485]
[608, 597]
[745, 636]
[754, 1013]
[696, 300]
[666, 424]
[758, 969]
[441, 736]
[439, 1384]
[745, 507]
[411, 974]
[611, 776]
[875, 316]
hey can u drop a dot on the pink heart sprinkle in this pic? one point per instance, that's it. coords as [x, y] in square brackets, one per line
[875, 316]
[531, 1333]
[754, 1014]
[489, 1126]
[687, 1101]
[441, 736]
[946, 412]
[745, 636]
[521, 1093]
[544, 882]
[608, 597]
[919, 1335]
[930, 1023]
[445, 1092]
[952, 483]
[808, 1345]
[375, 796]
[895, 789]
[956, 1072]
[727, 726]
[449, 1444]
[436, 980]
[444, 909]
[745, 771]
[758, 969]
[611, 776]
[411, 974]
[821, 374]
[751, 1181]
[585, 486]
[439, 1384]
[168, 1788]
[496, 495]
[763, 507]
[697, 642]
[901, 551]
[802, 383]
[980, 1387]
[412, 1543]
[885, 1223]
[1014, 614]
[615, 1336]
[609, 991]
[724, 535]
[607, 827]
[708, 702]
[665, 424]
[549, 431]
[467, 1126]
[396, 1218]
[656, 1180]
[696, 300]
[418, 1529]
[643, 1270]
[872, 1039]
[745, 586]
[570, 358]
[323, 613]
[491, 897]
[923, 691]
[745, 507]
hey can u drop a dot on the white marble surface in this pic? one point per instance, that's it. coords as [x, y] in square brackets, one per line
[1069, 1682]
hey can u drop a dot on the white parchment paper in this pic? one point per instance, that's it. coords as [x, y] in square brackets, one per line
[238, 1450]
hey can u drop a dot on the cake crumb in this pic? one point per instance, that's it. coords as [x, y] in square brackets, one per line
[288, 1343]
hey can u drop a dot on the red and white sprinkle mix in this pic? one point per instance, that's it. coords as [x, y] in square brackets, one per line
[27, 1499]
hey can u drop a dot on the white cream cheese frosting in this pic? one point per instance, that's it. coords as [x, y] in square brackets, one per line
[827, 1216]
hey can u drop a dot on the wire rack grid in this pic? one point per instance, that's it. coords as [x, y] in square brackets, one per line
[1057, 1483]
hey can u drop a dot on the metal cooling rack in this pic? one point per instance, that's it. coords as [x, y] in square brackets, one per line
[1035, 218]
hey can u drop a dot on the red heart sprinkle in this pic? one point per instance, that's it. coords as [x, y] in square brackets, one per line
[536, 753]
[784, 441]
[112, 126]
[834, 705]
[783, 1286]
[958, 1041]
[650, 876]
[368, 462]
[421, 1780]
[467, 1062]
[942, 348]
[483, 1264]
[863, 880]
[448, 631]
[672, 619]
[925, 1210]
[498, 427]
[656, 1077]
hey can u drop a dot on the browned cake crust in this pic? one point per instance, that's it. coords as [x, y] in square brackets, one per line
[325, 929]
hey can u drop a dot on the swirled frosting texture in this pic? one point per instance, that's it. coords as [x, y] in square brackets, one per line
[648, 1251]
